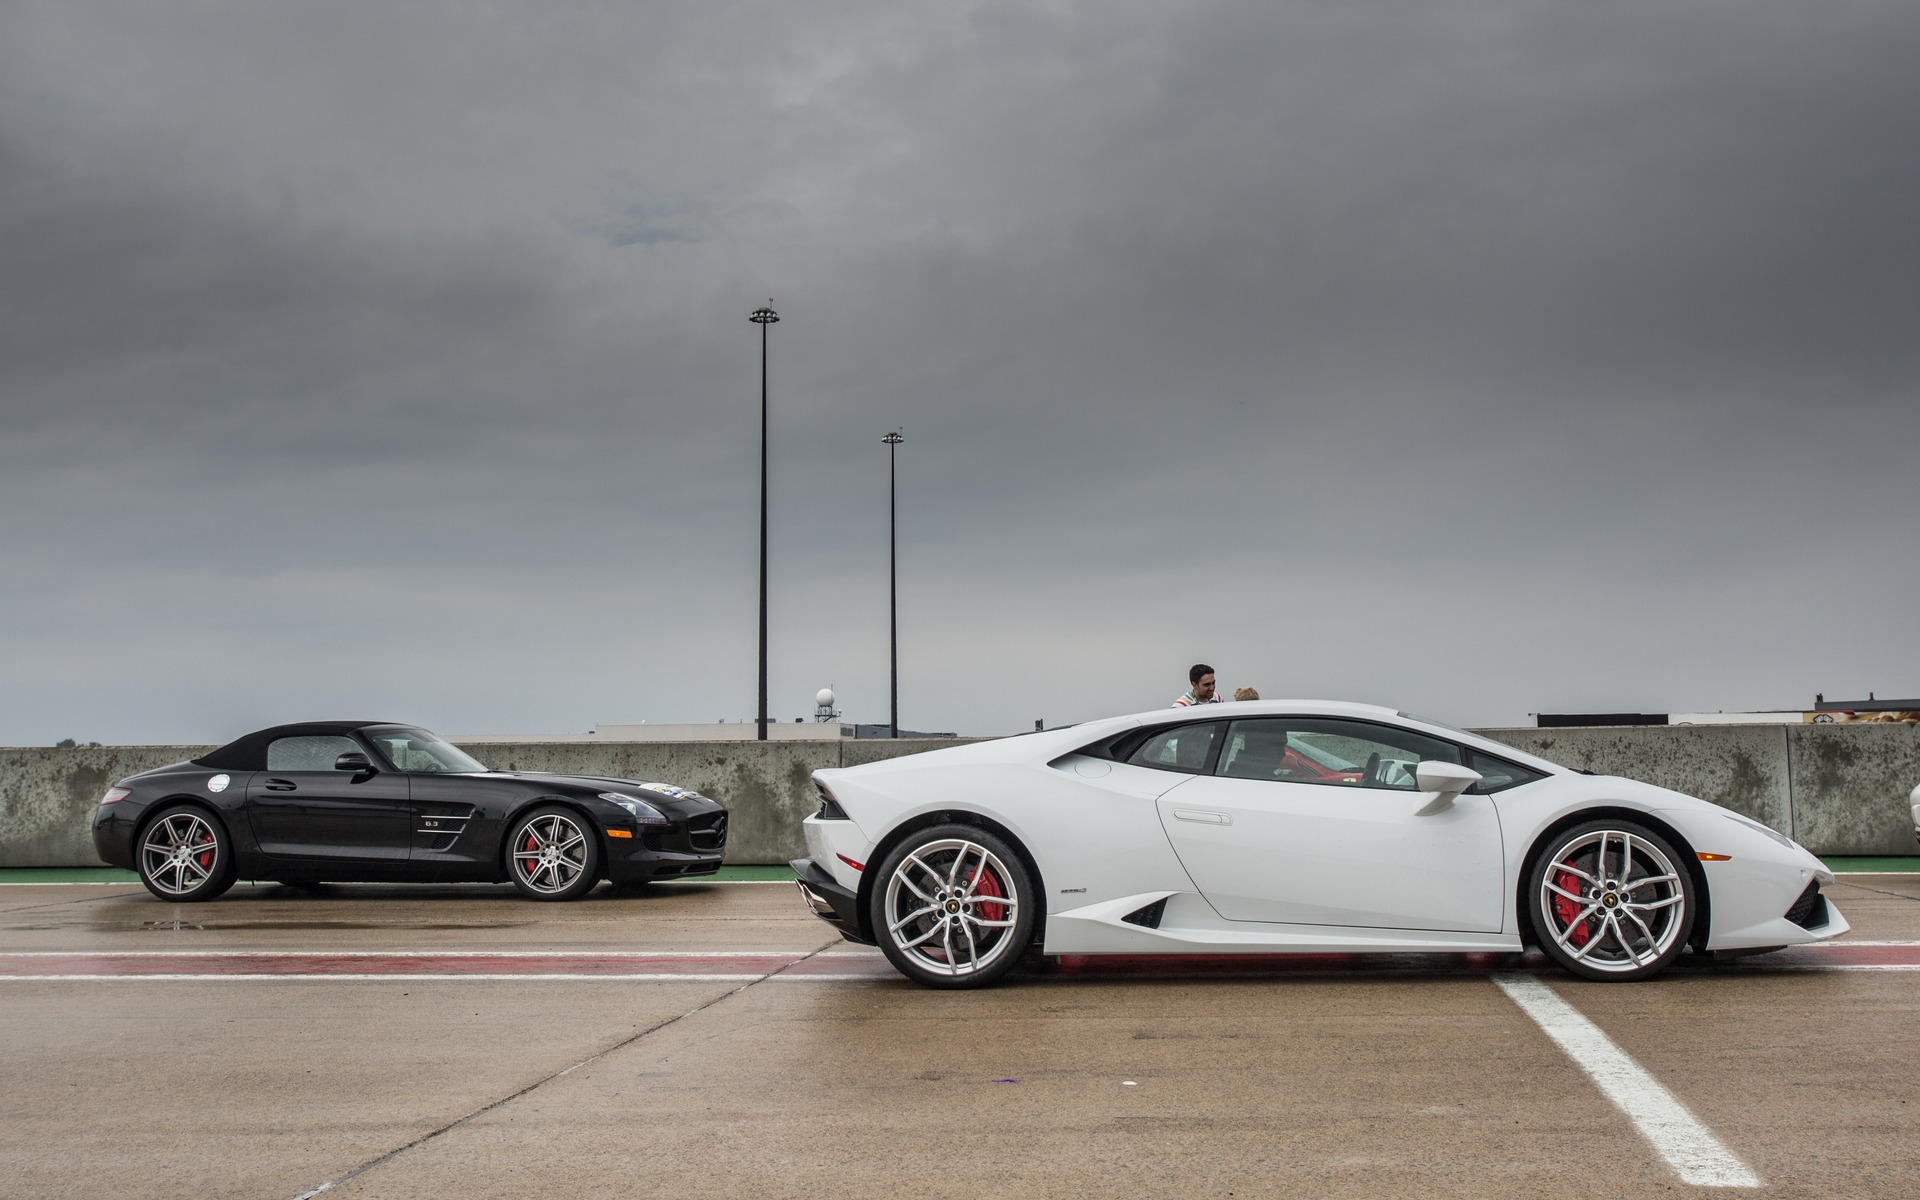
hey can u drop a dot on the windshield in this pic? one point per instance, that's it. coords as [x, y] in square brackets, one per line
[419, 752]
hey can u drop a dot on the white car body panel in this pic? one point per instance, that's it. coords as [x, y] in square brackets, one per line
[1303, 853]
[1110, 838]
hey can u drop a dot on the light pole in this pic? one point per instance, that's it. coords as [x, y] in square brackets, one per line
[893, 592]
[763, 317]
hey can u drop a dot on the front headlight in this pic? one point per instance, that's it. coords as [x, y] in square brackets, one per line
[642, 812]
[1775, 834]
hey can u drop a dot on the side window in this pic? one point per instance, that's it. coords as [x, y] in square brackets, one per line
[1177, 748]
[315, 753]
[1497, 774]
[407, 753]
[1359, 754]
[1259, 750]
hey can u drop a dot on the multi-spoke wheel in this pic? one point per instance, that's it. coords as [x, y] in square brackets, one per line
[953, 907]
[553, 854]
[184, 855]
[1612, 900]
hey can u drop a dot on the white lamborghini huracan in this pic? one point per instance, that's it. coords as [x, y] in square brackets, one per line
[1287, 826]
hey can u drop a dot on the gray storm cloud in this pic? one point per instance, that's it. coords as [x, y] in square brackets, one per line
[1482, 358]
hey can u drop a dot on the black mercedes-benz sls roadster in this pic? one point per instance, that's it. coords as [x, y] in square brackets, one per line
[373, 801]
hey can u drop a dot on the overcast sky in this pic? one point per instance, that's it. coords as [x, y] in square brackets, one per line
[1478, 357]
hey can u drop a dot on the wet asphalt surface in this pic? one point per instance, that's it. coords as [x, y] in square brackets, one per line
[717, 1040]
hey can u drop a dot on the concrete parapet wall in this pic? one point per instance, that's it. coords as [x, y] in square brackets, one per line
[1741, 767]
[47, 796]
[1838, 789]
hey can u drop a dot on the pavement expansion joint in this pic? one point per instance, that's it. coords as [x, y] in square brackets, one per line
[622, 1044]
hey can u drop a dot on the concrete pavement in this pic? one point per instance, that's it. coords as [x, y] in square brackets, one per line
[1376, 1077]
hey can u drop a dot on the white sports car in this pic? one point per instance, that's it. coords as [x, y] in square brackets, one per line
[1287, 826]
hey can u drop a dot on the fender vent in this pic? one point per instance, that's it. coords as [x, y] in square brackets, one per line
[1148, 917]
[1810, 910]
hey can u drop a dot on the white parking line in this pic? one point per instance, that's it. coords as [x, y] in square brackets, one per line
[1688, 1146]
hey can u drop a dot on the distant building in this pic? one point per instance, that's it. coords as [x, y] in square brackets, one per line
[1823, 712]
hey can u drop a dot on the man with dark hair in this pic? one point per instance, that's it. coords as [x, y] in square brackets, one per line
[1201, 677]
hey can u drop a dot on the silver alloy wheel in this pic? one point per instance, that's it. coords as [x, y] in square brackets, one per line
[1613, 901]
[950, 907]
[550, 853]
[180, 853]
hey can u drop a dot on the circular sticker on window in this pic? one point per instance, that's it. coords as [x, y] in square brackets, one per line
[218, 783]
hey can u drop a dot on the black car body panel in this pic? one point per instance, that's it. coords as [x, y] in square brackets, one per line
[830, 901]
[315, 824]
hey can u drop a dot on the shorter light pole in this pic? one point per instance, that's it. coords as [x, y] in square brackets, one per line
[893, 591]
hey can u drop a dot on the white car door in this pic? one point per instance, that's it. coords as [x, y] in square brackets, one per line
[1317, 821]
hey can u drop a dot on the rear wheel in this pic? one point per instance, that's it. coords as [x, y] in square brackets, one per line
[1612, 900]
[553, 853]
[185, 855]
[953, 907]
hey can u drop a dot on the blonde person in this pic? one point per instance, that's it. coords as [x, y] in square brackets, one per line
[1245, 694]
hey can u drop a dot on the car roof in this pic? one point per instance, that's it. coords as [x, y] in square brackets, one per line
[250, 752]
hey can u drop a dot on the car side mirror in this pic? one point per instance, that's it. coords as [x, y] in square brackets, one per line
[354, 761]
[1445, 780]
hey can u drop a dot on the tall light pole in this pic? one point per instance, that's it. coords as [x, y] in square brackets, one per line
[893, 592]
[763, 317]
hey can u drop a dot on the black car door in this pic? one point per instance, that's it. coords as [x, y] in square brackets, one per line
[301, 807]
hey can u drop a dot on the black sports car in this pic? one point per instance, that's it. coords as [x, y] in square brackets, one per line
[374, 801]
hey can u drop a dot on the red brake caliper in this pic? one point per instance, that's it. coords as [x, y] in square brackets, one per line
[986, 883]
[1567, 909]
[205, 858]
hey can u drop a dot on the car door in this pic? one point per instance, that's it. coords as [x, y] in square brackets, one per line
[301, 808]
[1318, 821]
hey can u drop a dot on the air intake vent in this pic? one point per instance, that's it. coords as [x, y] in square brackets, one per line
[708, 831]
[1148, 917]
[1810, 910]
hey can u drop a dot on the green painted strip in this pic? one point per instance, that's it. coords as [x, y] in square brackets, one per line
[67, 875]
[1862, 865]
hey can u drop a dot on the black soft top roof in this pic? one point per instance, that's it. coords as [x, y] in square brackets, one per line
[250, 752]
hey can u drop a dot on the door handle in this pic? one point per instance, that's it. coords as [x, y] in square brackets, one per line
[281, 785]
[1201, 816]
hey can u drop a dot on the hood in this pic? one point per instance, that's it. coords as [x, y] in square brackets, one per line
[601, 783]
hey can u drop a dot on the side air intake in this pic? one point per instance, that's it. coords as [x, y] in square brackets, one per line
[1147, 917]
[1810, 910]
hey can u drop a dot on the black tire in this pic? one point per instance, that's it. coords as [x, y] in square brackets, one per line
[553, 853]
[1611, 900]
[940, 907]
[184, 855]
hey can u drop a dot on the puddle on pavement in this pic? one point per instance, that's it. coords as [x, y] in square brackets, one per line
[170, 926]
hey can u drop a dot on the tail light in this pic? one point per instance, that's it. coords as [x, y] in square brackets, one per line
[116, 795]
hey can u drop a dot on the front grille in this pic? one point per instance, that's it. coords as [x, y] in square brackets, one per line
[1149, 915]
[708, 831]
[1810, 910]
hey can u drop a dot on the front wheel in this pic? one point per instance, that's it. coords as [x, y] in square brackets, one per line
[1611, 900]
[553, 853]
[953, 907]
[185, 855]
